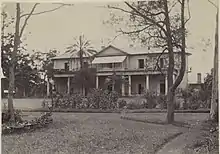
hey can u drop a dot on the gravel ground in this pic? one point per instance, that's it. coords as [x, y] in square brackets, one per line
[90, 133]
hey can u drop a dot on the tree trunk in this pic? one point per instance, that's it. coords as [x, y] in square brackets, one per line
[170, 94]
[214, 99]
[12, 65]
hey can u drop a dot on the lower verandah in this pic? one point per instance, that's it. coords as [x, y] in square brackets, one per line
[136, 84]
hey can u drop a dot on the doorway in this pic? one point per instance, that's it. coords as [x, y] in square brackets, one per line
[139, 89]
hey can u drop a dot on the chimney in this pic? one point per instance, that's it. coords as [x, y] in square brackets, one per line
[148, 48]
[199, 78]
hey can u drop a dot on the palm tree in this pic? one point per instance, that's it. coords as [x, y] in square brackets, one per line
[82, 47]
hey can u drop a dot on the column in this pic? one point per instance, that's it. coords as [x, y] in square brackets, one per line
[97, 82]
[166, 85]
[174, 78]
[48, 88]
[123, 89]
[147, 82]
[68, 85]
[129, 85]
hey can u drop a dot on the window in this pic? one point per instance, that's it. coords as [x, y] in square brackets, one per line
[109, 65]
[161, 62]
[66, 66]
[141, 63]
[85, 64]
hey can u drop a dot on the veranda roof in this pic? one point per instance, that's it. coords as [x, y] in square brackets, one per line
[106, 60]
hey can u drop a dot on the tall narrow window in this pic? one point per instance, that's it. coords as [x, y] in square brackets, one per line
[141, 63]
[66, 66]
[161, 62]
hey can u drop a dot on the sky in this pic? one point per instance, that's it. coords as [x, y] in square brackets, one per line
[57, 30]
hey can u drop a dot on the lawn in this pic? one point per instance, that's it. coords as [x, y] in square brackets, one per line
[94, 133]
[189, 118]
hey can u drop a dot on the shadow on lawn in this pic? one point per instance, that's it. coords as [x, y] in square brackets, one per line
[158, 122]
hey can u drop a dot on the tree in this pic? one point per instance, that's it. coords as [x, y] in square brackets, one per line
[214, 98]
[82, 47]
[155, 25]
[114, 80]
[17, 41]
[45, 66]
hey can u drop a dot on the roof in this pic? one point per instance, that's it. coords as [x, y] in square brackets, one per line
[105, 60]
[145, 50]
[74, 54]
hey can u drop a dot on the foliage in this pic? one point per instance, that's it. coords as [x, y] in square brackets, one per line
[85, 77]
[68, 101]
[24, 126]
[135, 105]
[6, 116]
[103, 99]
[194, 99]
[121, 103]
[151, 98]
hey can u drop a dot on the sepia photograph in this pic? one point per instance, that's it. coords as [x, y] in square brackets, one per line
[110, 77]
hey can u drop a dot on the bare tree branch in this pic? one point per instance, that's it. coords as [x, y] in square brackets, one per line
[120, 9]
[136, 31]
[114, 38]
[46, 11]
[213, 4]
[188, 12]
[172, 6]
[147, 18]
[157, 65]
[26, 19]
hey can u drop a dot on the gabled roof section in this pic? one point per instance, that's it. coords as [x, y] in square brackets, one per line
[68, 55]
[108, 52]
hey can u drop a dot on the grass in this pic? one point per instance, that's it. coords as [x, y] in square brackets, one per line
[181, 119]
[96, 133]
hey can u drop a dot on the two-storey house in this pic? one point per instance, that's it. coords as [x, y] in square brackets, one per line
[65, 66]
[144, 69]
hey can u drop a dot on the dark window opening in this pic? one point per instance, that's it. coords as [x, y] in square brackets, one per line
[66, 66]
[162, 88]
[141, 63]
[85, 64]
[161, 62]
[139, 89]
[109, 65]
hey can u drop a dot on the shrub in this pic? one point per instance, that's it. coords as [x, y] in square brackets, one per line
[103, 99]
[151, 99]
[135, 105]
[122, 103]
[68, 101]
[6, 116]
[161, 99]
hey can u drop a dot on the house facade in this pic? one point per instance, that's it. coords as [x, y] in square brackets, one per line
[143, 69]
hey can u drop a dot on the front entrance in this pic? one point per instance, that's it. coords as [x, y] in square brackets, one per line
[140, 88]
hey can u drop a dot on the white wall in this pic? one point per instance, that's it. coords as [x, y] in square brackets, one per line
[73, 63]
[59, 63]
